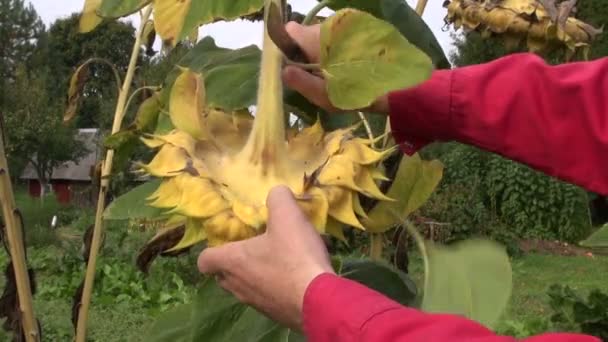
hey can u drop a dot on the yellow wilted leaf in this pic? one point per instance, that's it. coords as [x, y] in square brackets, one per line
[89, 18]
[187, 103]
[414, 183]
[77, 82]
[169, 17]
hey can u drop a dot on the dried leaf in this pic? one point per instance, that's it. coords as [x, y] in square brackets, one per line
[169, 17]
[187, 104]
[158, 245]
[89, 19]
[77, 83]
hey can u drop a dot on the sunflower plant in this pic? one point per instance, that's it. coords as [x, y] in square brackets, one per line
[223, 131]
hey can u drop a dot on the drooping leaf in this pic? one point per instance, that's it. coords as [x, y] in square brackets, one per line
[147, 114]
[363, 58]
[159, 244]
[413, 185]
[169, 17]
[193, 234]
[133, 204]
[208, 11]
[381, 277]
[230, 76]
[89, 19]
[119, 139]
[77, 83]
[219, 316]
[472, 278]
[149, 35]
[187, 103]
[121, 8]
[175, 325]
[599, 239]
[405, 19]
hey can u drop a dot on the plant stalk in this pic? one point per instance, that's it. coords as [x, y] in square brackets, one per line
[314, 11]
[105, 182]
[376, 246]
[420, 6]
[117, 77]
[14, 235]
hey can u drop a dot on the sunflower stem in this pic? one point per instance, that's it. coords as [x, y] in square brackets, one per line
[376, 246]
[420, 6]
[266, 144]
[16, 248]
[314, 11]
[105, 183]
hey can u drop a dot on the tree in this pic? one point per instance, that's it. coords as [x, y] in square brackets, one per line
[34, 127]
[20, 28]
[67, 49]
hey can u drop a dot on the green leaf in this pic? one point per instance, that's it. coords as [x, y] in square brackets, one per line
[208, 11]
[597, 239]
[172, 326]
[219, 316]
[120, 139]
[230, 76]
[147, 114]
[405, 19]
[133, 204]
[472, 278]
[381, 277]
[121, 8]
[363, 58]
[414, 183]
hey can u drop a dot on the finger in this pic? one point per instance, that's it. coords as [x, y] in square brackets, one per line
[213, 260]
[310, 86]
[307, 37]
[283, 210]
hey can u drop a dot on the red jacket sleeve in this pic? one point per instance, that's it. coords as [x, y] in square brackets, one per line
[552, 118]
[337, 309]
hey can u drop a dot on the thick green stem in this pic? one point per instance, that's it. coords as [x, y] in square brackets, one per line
[376, 246]
[14, 234]
[314, 11]
[105, 183]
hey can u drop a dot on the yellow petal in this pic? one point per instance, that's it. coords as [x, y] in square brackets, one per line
[362, 154]
[368, 186]
[335, 229]
[168, 194]
[226, 227]
[193, 234]
[200, 198]
[167, 162]
[358, 207]
[187, 104]
[341, 206]
[252, 216]
[315, 206]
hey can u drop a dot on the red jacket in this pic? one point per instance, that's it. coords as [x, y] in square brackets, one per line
[552, 118]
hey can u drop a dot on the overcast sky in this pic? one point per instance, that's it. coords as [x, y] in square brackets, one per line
[234, 35]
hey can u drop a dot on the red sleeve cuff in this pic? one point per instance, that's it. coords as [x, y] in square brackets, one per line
[336, 308]
[422, 114]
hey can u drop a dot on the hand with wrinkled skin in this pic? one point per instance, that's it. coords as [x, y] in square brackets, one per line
[272, 271]
[310, 86]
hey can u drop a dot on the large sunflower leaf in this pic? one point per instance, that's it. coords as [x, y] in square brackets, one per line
[133, 204]
[89, 19]
[121, 8]
[208, 11]
[363, 58]
[472, 278]
[405, 19]
[414, 183]
[230, 76]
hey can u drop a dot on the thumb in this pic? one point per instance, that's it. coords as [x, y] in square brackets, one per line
[283, 209]
[310, 86]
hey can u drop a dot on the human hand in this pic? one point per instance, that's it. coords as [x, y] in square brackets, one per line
[271, 272]
[313, 87]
